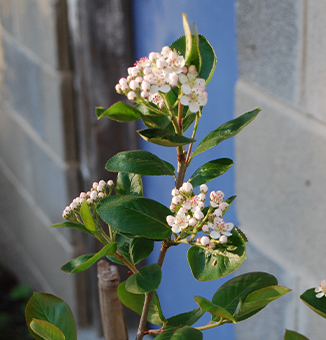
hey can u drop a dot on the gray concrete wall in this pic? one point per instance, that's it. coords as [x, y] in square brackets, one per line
[280, 157]
[37, 143]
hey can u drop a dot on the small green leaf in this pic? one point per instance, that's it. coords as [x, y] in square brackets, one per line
[180, 334]
[210, 170]
[146, 280]
[139, 162]
[46, 330]
[225, 131]
[164, 137]
[129, 184]
[72, 225]
[318, 305]
[152, 119]
[207, 265]
[135, 215]
[87, 217]
[51, 309]
[119, 111]
[291, 335]
[136, 302]
[185, 319]
[215, 310]
[83, 262]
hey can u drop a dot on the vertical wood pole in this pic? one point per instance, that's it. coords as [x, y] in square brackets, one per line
[112, 313]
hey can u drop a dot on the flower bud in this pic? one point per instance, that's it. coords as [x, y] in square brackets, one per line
[198, 215]
[204, 240]
[223, 239]
[203, 188]
[192, 222]
[187, 187]
[205, 228]
[110, 183]
[175, 192]
[131, 96]
[170, 220]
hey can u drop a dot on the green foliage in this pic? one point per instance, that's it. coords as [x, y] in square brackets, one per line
[185, 319]
[225, 131]
[136, 302]
[134, 215]
[207, 265]
[129, 184]
[164, 137]
[177, 333]
[139, 162]
[83, 262]
[291, 335]
[72, 225]
[152, 119]
[87, 217]
[210, 170]
[119, 111]
[146, 280]
[49, 308]
[318, 305]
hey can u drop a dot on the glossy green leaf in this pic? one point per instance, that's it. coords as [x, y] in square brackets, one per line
[164, 137]
[152, 119]
[51, 309]
[207, 265]
[46, 330]
[129, 184]
[87, 217]
[210, 170]
[137, 216]
[83, 262]
[136, 302]
[139, 162]
[258, 299]
[146, 280]
[185, 319]
[291, 335]
[180, 334]
[72, 225]
[119, 111]
[215, 310]
[225, 131]
[318, 305]
[234, 292]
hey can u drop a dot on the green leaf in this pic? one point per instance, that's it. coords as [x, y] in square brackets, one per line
[83, 262]
[87, 217]
[318, 305]
[207, 265]
[225, 131]
[232, 293]
[119, 111]
[185, 319]
[46, 330]
[152, 119]
[129, 184]
[164, 137]
[136, 302]
[139, 162]
[72, 225]
[137, 216]
[146, 280]
[180, 334]
[210, 170]
[291, 335]
[51, 309]
[258, 299]
[215, 310]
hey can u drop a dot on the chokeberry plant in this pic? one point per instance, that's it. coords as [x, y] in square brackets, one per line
[168, 93]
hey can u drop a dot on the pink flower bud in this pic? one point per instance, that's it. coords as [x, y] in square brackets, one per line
[131, 96]
[223, 239]
[192, 222]
[170, 220]
[205, 228]
[175, 192]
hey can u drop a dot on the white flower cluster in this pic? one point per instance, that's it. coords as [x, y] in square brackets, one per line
[188, 209]
[321, 289]
[158, 73]
[97, 192]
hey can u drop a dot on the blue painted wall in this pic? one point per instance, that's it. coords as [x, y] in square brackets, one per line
[158, 23]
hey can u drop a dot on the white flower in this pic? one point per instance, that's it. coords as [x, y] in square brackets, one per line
[216, 198]
[321, 289]
[181, 221]
[194, 100]
[220, 227]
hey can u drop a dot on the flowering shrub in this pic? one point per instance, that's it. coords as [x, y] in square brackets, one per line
[168, 90]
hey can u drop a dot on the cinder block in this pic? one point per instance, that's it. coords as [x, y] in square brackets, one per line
[281, 179]
[271, 322]
[315, 73]
[269, 36]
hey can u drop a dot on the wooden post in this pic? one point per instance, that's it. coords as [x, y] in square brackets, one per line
[112, 313]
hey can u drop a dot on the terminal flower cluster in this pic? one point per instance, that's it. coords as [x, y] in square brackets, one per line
[189, 215]
[156, 74]
[321, 289]
[95, 194]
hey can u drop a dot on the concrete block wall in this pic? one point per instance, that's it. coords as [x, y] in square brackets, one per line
[280, 157]
[38, 168]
